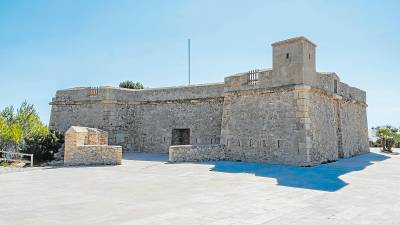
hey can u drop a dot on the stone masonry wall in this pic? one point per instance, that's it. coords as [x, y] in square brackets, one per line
[94, 155]
[143, 122]
[323, 130]
[148, 126]
[254, 118]
[196, 153]
[353, 116]
[338, 125]
[260, 126]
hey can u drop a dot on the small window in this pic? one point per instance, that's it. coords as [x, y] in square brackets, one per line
[287, 55]
[309, 56]
[278, 143]
[335, 86]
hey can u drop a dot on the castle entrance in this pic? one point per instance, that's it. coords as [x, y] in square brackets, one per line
[180, 137]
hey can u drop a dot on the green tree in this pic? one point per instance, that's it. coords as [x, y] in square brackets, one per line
[388, 137]
[131, 85]
[29, 121]
[8, 114]
[10, 136]
[24, 131]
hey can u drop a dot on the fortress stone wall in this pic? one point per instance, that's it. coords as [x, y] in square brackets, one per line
[289, 114]
[142, 120]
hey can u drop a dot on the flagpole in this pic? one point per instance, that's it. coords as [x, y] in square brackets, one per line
[189, 59]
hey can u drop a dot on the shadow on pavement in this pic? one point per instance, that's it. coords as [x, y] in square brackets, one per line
[323, 177]
[141, 156]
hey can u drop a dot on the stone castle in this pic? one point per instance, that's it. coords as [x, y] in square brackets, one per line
[290, 114]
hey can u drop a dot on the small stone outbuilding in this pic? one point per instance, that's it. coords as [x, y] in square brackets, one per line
[89, 146]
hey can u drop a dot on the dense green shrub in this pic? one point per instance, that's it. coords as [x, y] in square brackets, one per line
[43, 146]
[131, 85]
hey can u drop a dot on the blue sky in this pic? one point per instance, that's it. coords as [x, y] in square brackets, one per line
[51, 45]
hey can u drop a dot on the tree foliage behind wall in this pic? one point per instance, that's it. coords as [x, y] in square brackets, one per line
[131, 85]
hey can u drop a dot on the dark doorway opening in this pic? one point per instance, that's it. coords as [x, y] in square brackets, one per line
[180, 137]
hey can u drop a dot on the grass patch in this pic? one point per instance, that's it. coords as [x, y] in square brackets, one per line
[5, 164]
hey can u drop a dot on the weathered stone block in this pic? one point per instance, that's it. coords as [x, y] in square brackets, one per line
[88, 146]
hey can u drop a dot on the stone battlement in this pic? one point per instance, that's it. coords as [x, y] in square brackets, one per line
[236, 82]
[144, 95]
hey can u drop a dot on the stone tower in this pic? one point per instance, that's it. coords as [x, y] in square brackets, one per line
[294, 61]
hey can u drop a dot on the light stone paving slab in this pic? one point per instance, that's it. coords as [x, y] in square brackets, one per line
[146, 189]
[4, 170]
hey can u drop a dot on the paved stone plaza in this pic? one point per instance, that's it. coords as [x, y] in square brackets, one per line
[146, 189]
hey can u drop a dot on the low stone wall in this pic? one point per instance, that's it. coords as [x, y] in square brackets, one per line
[196, 153]
[94, 155]
[89, 146]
